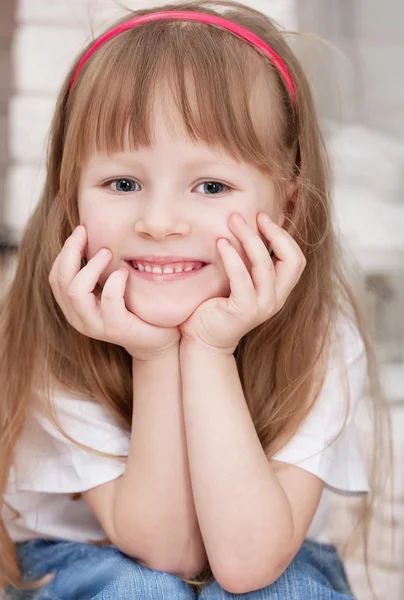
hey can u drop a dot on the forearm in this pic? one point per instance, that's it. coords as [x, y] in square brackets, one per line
[242, 509]
[154, 512]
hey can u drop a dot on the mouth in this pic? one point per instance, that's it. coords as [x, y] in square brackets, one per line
[165, 269]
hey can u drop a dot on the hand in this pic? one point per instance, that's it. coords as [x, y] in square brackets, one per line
[220, 323]
[103, 317]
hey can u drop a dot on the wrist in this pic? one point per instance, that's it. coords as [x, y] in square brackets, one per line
[156, 356]
[190, 347]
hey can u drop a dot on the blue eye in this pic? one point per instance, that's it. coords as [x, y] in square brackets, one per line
[122, 185]
[212, 188]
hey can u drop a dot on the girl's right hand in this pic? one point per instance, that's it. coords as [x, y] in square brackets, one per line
[104, 318]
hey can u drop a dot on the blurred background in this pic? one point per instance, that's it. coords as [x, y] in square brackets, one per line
[357, 78]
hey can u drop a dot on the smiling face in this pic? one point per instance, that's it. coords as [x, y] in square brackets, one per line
[172, 199]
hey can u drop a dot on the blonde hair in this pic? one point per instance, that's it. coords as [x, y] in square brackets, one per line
[279, 362]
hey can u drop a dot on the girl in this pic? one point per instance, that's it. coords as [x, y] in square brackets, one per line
[181, 357]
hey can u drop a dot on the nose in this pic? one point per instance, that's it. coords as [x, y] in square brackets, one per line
[158, 221]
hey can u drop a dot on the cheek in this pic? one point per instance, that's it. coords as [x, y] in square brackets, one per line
[103, 230]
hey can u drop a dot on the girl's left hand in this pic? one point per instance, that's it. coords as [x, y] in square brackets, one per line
[220, 323]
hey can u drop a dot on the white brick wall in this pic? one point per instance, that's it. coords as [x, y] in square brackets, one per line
[42, 56]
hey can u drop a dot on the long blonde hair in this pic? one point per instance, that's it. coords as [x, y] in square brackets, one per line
[114, 93]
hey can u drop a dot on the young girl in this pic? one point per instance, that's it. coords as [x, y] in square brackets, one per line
[181, 357]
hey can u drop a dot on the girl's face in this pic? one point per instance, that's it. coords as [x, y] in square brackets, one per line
[165, 207]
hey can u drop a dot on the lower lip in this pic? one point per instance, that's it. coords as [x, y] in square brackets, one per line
[162, 277]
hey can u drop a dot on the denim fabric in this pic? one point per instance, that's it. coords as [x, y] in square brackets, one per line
[86, 572]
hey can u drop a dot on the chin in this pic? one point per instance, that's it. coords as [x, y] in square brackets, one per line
[170, 315]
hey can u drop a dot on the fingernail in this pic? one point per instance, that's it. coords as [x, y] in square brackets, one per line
[240, 219]
[78, 230]
[266, 218]
[104, 252]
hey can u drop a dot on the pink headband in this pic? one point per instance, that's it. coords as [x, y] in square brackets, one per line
[238, 30]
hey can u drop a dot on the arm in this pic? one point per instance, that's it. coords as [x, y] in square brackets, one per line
[253, 513]
[149, 512]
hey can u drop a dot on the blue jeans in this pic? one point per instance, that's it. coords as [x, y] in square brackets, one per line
[86, 572]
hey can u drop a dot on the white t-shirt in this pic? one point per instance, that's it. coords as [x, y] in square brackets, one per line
[48, 468]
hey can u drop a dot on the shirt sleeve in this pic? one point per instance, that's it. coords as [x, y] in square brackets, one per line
[327, 444]
[47, 461]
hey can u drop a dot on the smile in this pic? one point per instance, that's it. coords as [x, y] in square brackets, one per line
[165, 272]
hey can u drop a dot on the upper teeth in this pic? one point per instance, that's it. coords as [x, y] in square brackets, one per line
[169, 268]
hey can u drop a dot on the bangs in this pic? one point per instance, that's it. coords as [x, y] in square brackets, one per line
[209, 84]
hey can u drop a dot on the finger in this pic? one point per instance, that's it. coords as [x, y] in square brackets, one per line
[241, 286]
[83, 308]
[55, 287]
[56, 290]
[290, 259]
[53, 277]
[81, 291]
[69, 263]
[113, 307]
[66, 265]
[262, 267]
